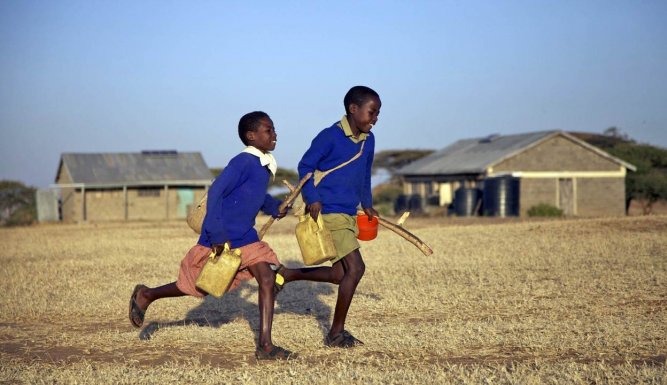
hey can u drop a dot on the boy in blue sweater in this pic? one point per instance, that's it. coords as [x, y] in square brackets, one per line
[337, 197]
[234, 199]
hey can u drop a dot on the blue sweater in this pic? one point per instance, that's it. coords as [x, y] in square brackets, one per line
[234, 200]
[342, 190]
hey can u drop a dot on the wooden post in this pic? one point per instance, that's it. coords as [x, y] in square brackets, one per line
[166, 202]
[125, 208]
[83, 203]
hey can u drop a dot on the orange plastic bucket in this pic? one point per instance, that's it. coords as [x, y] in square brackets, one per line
[368, 230]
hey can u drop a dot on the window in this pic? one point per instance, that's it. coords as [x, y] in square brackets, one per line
[428, 188]
[415, 188]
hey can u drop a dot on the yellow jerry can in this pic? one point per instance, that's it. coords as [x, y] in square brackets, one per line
[219, 271]
[314, 240]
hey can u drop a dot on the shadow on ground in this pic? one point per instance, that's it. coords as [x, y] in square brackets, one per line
[302, 298]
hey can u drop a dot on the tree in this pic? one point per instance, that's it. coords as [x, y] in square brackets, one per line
[17, 204]
[216, 171]
[616, 133]
[647, 188]
[286, 174]
[392, 160]
[649, 183]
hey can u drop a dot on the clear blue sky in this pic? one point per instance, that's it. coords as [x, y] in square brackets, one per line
[126, 76]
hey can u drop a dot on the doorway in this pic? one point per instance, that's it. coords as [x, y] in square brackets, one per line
[566, 195]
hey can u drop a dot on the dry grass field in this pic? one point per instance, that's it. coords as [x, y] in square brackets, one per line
[527, 302]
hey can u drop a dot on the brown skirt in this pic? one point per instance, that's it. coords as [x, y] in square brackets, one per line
[195, 260]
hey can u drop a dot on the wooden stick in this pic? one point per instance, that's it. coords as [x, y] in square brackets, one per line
[289, 185]
[405, 234]
[286, 202]
[300, 209]
[402, 219]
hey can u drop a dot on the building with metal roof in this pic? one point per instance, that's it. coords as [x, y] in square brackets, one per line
[150, 185]
[551, 167]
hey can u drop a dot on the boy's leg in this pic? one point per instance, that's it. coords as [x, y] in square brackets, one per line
[265, 277]
[354, 267]
[143, 296]
[347, 273]
[146, 296]
[333, 274]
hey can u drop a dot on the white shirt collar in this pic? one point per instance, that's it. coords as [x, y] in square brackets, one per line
[265, 159]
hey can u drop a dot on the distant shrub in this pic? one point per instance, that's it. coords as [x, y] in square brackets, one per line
[386, 193]
[544, 210]
[384, 209]
[17, 204]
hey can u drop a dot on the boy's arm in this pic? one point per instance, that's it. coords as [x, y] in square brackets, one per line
[221, 187]
[366, 192]
[310, 161]
[270, 207]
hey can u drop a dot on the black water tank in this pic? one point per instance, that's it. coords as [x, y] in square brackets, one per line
[501, 196]
[466, 201]
[401, 204]
[415, 204]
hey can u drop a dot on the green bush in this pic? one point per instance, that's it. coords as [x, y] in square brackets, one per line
[545, 210]
[384, 209]
[386, 193]
[17, 204]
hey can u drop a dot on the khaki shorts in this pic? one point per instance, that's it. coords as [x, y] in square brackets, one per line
[344, 231]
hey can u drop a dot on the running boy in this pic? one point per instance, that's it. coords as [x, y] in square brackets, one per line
[234, 199]
[337, 197]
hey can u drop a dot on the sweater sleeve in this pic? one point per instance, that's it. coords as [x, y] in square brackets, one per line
[366, 193]
[270, 206]
[310, 162]
[222, 186]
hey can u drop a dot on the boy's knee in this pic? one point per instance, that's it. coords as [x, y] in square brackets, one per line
[337, 276]
[352, 267]
[266, 281]
[358, 271]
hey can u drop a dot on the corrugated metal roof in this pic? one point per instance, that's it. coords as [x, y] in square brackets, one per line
[474, 156]
[136, 168]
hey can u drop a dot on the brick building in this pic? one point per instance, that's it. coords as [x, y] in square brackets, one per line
[151, 185]
[551, 167]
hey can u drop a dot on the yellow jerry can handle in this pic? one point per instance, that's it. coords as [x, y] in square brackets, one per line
[320, 222]
[225, 250]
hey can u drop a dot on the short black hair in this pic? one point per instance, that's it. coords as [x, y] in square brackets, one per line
[358, 95]
[250, 122]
